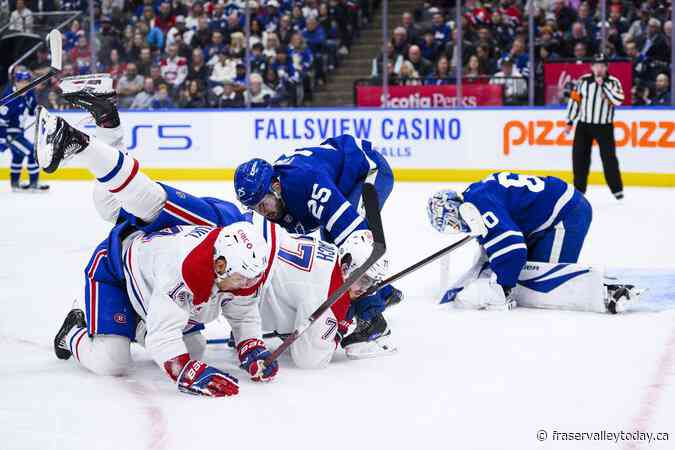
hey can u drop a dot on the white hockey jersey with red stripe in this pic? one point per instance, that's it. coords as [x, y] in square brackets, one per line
[171, 282]
[301, 275]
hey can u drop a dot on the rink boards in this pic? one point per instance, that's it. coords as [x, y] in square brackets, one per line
[421, 144]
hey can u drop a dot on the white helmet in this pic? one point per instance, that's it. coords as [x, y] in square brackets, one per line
[244, 249]
[358, 246]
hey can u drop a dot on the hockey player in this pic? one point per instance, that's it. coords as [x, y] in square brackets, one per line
[171, 279]
[301, 272]
[11, 134]
[531, 231]
[320, 188]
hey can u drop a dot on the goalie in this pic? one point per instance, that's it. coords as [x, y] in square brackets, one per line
[531, 231]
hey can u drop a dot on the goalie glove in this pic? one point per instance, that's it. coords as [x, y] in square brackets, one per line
[252, 353]
[198, 378]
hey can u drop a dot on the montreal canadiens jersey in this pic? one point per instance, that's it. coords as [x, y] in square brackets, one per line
[11, 114]
[170, 281]
[514, 209]
[315, 184]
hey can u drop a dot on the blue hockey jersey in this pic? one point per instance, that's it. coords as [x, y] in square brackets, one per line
[11, 113]
[316, 183]
[515, 208]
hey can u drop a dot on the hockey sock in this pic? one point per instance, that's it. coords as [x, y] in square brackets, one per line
[102, 354]
[120, 174]
[111, 136]
[14, 175]
[33, 171]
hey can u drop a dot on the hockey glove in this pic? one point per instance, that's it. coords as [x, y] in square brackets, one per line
[252, 352]
[198, 378]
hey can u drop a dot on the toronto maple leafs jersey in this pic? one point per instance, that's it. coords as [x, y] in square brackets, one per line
[514, 209]
[11, 114]
[316, 182]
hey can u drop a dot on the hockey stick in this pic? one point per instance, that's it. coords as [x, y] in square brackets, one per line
[56, 50]
[372, 208]
[417, 265]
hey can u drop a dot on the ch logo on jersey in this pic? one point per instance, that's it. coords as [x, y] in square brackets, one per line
[120, 318]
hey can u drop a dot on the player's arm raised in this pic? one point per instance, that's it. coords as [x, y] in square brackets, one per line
[165, 322]
[243, 315]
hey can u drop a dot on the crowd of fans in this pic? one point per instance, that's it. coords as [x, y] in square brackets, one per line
[191, 54]
[424, 50]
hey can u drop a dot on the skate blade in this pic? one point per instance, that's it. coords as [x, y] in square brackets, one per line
[372, 349]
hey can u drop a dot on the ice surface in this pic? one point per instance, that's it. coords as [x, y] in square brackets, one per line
[461, 380]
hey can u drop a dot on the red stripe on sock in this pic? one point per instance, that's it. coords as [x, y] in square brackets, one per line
[134, 171]
[77, 344]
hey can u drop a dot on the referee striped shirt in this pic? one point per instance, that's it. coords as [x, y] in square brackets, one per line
[592, 103]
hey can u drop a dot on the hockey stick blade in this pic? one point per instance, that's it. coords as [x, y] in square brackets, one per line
[55, 40]
[372, 207]
[418, 265]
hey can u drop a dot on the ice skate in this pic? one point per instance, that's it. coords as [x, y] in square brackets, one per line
[620, 295]
[75, 318]
[55, 140]
[370, 339]
[95, 94]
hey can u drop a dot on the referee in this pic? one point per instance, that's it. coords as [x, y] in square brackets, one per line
[592, 102]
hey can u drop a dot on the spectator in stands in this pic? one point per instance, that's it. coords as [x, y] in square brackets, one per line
[193, 96]
[156, 74]
[440, 29]
[271, 80]
[577, 35]
[315, 38]
[21, 19]
[223, 70]
[502, 33]
[473, 72]
[129, 85]
[285, 30]
[441, 74]
[413, 31]
[513, 82]
[661, 95]
[258, 60]
[259, 95]
[400, 41]
[654, 43]
[486, 61]
[162, 100]
[564, 15]
[302, 59]
[153, 35]
[580, 51]
[174, 68]
[421, 65]
[178, 29]
[584, 18]
[518, 55]
[297, 18]
[639, 26]
[81, 56]
[429, 47]
[216, 46]
[54, 101]
[198, 70]
[408, 76]
[71, 36]
[115, 68]
[237, 45]
[617, 21]
[165, 20]
[144, 62]
[143, 100]
[202, 36]
[229, 98]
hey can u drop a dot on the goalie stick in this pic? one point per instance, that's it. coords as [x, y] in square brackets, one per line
[371, 204]
[56, 50]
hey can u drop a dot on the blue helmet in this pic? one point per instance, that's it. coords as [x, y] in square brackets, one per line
[252, 180]
[443, 212]
[22, 75]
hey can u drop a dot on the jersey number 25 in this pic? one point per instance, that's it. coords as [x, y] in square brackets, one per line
[318, 196]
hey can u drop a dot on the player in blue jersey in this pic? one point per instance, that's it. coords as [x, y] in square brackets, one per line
[320, 188]
[11, 134]
[531, 231]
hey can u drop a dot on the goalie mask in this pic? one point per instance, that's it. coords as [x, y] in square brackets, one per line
[443, 212]
[354, 251]
[243, 249]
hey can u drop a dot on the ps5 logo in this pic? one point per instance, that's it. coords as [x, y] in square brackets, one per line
[165, 137]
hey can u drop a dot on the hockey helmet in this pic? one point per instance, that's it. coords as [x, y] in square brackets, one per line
[22, 75]
[443, 212]
[244, 250]
[354, 252]
[252, 180]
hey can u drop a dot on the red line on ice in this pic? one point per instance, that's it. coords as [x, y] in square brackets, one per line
[652, 397]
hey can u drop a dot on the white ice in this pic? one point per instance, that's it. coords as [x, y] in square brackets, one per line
[461, 380]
